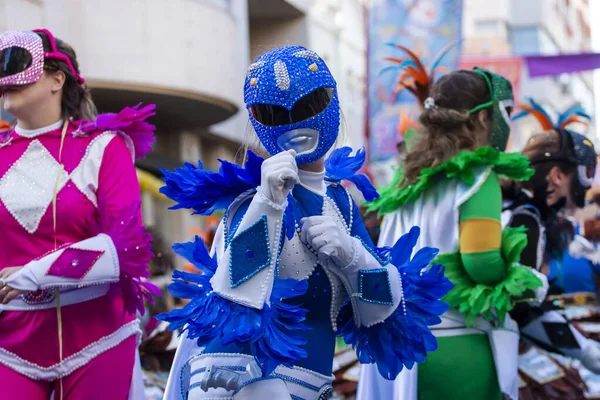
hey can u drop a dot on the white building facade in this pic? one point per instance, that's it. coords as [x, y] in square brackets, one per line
[503, 28]
[189, 57]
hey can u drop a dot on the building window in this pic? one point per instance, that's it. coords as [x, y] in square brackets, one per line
[485, 45]
[525, 40]
[568, 29]
[220, 3]
[487, 26]
[547, 46]
[585, 27]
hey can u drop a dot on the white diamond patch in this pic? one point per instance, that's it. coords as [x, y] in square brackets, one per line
[295, 260]
[27, 187]
[331, 209]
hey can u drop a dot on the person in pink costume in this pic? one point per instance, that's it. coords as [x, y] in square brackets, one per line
[73, 250]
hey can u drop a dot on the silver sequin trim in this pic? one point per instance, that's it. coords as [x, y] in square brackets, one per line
[295, 260]
[281, 75]
[331, 209]
[254, 67]
[338, 297]
[307, 54]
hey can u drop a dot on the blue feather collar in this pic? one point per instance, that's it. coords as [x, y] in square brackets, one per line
[206, 191]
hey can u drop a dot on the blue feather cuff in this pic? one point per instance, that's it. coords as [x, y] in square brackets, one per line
[403, 338]
[271, 332]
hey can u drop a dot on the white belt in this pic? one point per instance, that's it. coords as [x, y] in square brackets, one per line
[67, 297]
[453, 324]
[300, 382]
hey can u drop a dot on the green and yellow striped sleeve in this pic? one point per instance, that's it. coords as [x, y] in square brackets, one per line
[481, 234]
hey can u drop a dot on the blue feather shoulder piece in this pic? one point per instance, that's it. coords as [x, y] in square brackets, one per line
[342, 166]
[206, 191]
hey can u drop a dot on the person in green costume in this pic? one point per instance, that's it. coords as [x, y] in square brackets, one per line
[449, 186]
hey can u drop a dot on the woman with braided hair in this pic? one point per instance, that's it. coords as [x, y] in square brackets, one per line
[449, 185]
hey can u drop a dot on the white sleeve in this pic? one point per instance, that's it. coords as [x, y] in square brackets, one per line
[90, 262]
[250, 256]
[374, 286]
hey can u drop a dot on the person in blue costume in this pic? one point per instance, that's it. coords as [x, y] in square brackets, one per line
[292, 265]
[576, 270]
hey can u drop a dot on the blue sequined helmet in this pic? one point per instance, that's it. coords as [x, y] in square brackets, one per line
[292, 101]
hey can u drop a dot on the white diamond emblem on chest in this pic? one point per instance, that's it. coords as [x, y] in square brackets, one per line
[28, 186]
[295, 260]
[330, 209]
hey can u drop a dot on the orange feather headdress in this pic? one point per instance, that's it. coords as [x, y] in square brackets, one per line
[575, 114]
[414, 77]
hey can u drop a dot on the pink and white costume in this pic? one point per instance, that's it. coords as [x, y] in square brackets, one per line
[89, 242]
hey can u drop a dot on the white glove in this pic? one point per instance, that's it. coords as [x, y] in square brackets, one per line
[328, 239]
[542, 291]
[279, 174]
[580, 247]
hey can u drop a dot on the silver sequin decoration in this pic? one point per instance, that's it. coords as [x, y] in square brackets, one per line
[338, 297]
[331, 209]
[281, 75]
[305, 260]
[307, 54]
[28, 186]
[255, 66]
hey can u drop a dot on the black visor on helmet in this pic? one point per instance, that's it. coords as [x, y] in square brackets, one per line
[307, 107]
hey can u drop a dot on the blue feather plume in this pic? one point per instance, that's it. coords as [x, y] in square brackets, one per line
[205, 191]
[271, 332]
[341, 166]
[400, 66]
[195, 252]
[536, 107]
[519, 115]
[575, 110]
[403, 339]
[440, 56]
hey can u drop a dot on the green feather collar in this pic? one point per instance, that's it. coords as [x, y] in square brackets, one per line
[513, 166]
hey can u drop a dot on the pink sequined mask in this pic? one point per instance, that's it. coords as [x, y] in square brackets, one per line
[22, 57]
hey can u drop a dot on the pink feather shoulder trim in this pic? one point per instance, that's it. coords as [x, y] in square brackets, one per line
[129, 122]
